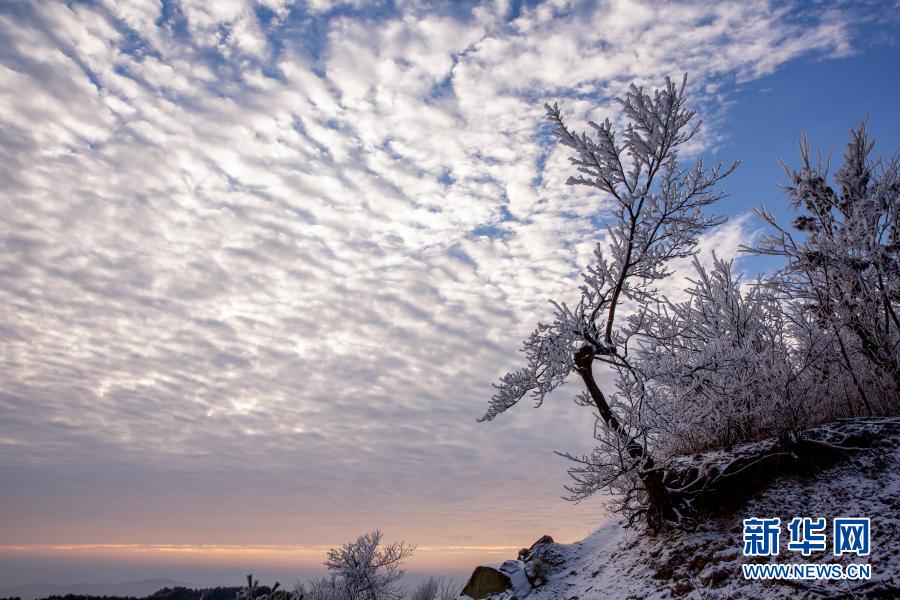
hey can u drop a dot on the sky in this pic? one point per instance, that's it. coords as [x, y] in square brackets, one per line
[261, 261]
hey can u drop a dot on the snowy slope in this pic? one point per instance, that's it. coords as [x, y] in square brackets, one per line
[617, 563]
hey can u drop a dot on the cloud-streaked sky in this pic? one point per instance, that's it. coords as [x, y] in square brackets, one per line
[262, 260]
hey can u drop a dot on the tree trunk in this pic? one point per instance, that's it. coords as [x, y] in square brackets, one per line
[649, 475]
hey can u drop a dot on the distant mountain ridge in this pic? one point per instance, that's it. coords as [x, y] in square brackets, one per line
[127, 589]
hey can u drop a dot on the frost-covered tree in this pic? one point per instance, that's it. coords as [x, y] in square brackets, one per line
[731, 364]
[726, 366]
[658, 213]
[842, 264]
[735, 362]
[365, 569]
[368, 569]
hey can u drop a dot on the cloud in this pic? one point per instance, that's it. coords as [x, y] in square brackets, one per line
[266, 276]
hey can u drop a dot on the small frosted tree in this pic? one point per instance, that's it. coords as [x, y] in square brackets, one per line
[367, 569]
[658, 215]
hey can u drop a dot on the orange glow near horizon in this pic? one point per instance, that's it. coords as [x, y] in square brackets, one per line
[426, 557]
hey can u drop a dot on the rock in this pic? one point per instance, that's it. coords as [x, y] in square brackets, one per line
[663, 572]
[547, 551]
[682, 588]
[486, 581]
[714, 576]
[544, 539]
[517, 571]
[698, 562]
[510, 566]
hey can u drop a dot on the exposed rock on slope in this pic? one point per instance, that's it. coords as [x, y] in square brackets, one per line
[486, 582]
[617, 563]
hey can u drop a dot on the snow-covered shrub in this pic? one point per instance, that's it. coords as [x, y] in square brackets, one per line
[723, 367]
[842, 269]
[816, 341]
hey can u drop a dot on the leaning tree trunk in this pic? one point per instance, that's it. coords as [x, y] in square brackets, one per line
[659, 502]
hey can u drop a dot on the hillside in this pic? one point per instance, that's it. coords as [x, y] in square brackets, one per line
[615, 562]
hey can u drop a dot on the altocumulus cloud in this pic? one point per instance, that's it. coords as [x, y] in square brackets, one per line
[262, 260]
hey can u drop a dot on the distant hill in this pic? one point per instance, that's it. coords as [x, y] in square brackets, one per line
[158, 589]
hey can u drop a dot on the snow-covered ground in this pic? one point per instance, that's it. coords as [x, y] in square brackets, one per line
[617, 563]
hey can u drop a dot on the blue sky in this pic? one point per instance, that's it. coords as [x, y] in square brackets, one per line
[262, 260]
[822, 98]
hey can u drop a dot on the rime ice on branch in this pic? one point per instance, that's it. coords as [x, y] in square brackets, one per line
[658, 215]
[735, 363]
[842, 265]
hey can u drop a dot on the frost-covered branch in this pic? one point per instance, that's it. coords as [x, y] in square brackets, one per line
[368, 569]
[658, 215]
[842, 262]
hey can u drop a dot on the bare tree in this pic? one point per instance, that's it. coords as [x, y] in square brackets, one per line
[658, 215]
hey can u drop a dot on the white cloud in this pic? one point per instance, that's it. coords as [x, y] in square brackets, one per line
[221, 272]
